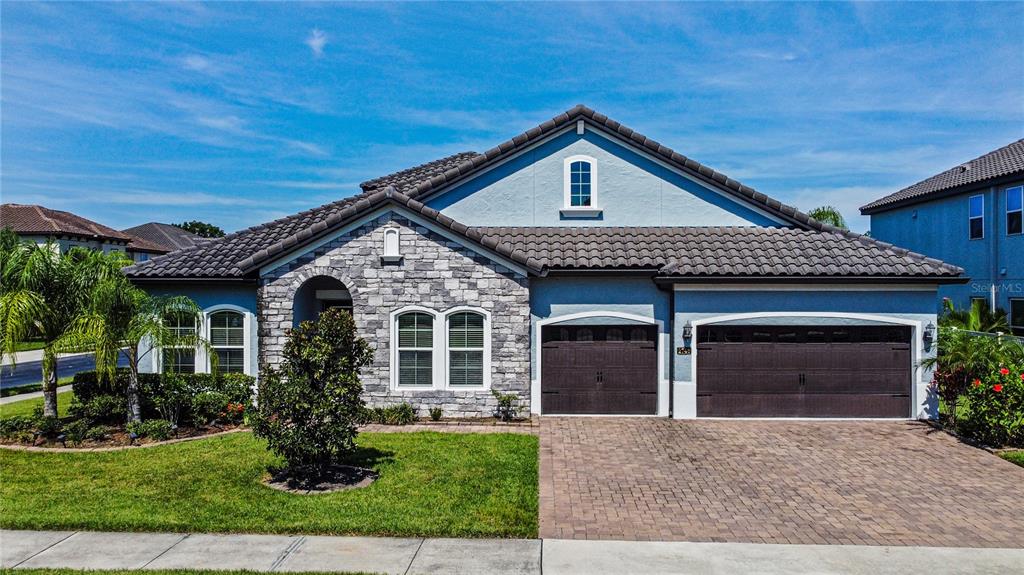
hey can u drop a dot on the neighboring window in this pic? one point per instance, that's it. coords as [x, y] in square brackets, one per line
[142, 256]
[1014, 209]
[579, 184]
[1017, 316]
[227, 337]
[465, 349]
[981, 302]
[179, 359]
[976, 217]
[415, 349]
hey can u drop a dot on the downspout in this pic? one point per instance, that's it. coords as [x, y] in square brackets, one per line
[671, 350]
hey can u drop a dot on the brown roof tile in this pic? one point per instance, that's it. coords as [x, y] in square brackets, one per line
[30, 219]
[1005, 161]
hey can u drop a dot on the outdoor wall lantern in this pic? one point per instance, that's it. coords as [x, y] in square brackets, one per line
[929, 334]
[687, 330]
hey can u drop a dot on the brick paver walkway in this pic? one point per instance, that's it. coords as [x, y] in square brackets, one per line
[833, 482]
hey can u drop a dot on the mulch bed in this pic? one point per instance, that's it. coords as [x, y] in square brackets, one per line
[334, 478]
[118, 438]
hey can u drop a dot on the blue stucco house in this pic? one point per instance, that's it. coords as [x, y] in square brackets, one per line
[586, 269]
[969, 215]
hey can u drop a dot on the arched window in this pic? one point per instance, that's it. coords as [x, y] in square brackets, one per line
[227, 337]
[579, 184]
[466, 349]
[415, 349]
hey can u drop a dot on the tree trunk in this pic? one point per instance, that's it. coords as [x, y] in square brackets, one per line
[49, 382]
[132, 389]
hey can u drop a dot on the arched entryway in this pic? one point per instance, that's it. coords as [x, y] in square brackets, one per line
[319, 293]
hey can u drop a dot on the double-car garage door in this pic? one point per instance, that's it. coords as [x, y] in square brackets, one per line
[803, 371]
[742, 370]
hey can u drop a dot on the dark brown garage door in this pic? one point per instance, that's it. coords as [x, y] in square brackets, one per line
[599, 369]
[803, 371]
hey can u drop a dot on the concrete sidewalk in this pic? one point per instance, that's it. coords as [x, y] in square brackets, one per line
[408, 556]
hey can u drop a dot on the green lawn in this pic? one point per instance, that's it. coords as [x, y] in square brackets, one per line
[431, 484]
[147, 572]
[25, 406]
[29, 345]
[1014, 456]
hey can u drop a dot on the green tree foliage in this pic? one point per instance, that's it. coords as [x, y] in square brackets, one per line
[308, 410]
[122, 319]
[828, 215]
[42, 292]
[202, 229]
[978, 317]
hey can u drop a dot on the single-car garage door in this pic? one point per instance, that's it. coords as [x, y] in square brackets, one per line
[599, 369]
[803, 371]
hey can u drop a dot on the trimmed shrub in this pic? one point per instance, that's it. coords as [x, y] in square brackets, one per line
[436, 413]
[167, 396]
[399, 414]
[99, 408]
[309, 408]
[208, 405]
[17, 425]
[155, 429]
[995, 408]
[507, 409]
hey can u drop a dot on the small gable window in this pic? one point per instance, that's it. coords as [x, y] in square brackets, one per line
[579, 181]
[580, 187]
[976, 218]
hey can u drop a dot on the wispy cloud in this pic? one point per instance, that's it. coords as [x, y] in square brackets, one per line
[316, 41]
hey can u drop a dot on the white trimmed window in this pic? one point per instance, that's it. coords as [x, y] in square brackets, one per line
[466, 337]
[580, 184]
[227, 338]
[179, 359]
[1014, 210]
[976, 217]
[415, 349]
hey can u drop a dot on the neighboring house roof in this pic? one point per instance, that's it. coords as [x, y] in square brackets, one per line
[702, 252]
[37, 220]
[1007, 161]
[165, 236]
[239, 255]
[143, 245]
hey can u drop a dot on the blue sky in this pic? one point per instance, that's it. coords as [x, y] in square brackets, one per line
[240, 113]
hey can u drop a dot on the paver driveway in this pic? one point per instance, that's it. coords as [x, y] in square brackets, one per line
[829, 482]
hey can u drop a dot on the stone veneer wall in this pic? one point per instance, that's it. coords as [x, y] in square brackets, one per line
[435, 273]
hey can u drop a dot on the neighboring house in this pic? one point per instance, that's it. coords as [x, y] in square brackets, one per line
[586, 269]
[39, 224]
[969, 215]
[167, 237]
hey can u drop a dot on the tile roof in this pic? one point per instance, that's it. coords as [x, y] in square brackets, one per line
[238, 254]
[31, 219]
[165, 236]
[1005, 161]
[719, 251]
[408, 178]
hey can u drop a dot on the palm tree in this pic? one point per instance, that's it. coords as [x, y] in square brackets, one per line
[978, 317]
[828, 215]
[121, 318]
[41, 293]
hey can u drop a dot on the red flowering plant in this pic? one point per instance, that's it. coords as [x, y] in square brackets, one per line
[995, 407]
[233, 413]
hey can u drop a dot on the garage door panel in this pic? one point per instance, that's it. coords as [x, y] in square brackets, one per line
[803, 371]
[599, 370]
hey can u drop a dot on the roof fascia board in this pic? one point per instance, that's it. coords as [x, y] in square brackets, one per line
[816, 281]
[818, 287]
[376, 213]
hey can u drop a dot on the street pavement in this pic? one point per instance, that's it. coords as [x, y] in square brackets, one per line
[29, 372]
